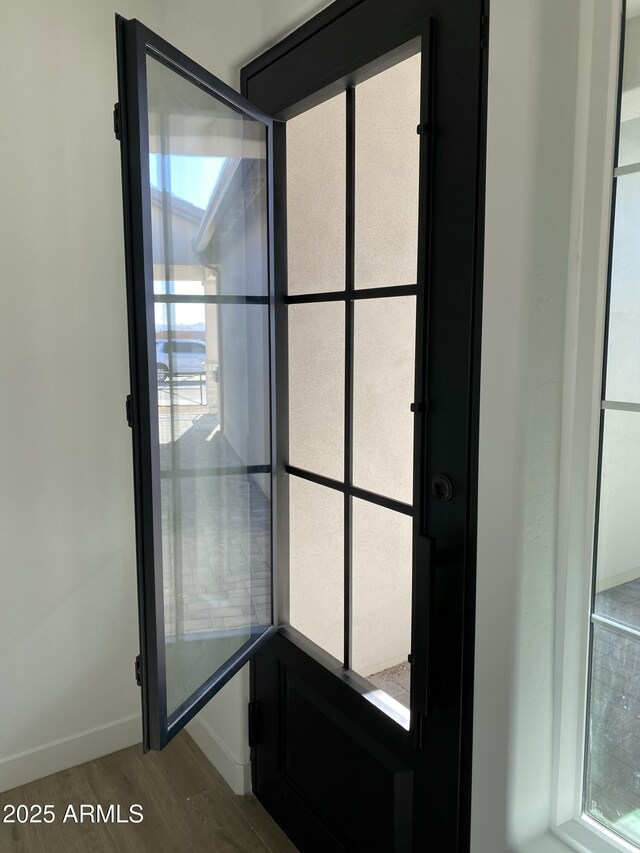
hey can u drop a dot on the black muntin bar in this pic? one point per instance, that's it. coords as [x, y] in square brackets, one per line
[222, 471]
[352, 491]
[363, 293]
[211, 299]
[350, 124]
[422, 548]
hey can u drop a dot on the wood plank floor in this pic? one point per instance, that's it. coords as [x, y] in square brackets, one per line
[187, 808]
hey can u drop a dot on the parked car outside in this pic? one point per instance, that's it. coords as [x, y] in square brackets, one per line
[181, 357]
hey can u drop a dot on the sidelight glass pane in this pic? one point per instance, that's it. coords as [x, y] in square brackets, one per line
[383, 391]
[387, 176]
[316, 198]
[209, 241]
[381, 596]
[316, 388]
[629, 148]
[618, 559]
[611, 788]
[623, 352]
[612, 793]
[316, 559]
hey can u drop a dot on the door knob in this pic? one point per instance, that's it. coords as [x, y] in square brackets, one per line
[442, 487]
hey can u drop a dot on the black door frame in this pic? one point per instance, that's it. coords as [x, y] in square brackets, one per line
[341, 46]
[135, 43]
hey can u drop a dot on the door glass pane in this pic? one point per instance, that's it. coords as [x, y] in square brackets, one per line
[316, 388]
[623, 353]
[216, 572]
[618, 563]
[376, 546]
[383, 390]
[316, 198]
[316, 574]
[387, 176]
[381, 590]
[209, 238]
[184, 371]
[612, 794]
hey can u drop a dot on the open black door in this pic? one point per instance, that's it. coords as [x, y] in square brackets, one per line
[304, 322]
[196, 173]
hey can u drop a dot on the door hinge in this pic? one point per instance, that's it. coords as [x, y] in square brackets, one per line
[117, 129]
[421, 724]
[253, 723]
[129, 411]
[138, 671]
[424, 128]
[484, 32]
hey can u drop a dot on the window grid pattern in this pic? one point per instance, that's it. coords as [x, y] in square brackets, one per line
[349, 296]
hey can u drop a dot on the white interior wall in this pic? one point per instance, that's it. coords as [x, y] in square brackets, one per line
[531, 110]
[68, 622]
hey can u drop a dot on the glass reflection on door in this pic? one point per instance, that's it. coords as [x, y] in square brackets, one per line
[207, 166]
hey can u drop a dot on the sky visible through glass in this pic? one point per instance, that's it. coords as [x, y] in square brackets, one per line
[192, 178]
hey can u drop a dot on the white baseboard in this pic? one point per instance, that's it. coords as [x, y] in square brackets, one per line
[61, 754]
[237, 776]
[546, 843]
[25, 767]
[616, 580]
